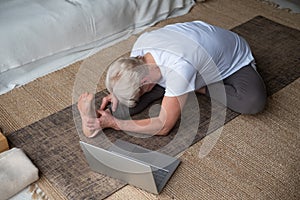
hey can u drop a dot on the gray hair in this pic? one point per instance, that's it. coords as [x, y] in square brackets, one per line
[124, 77]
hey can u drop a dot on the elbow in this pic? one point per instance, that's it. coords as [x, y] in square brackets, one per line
[164, 131]
[165, 127]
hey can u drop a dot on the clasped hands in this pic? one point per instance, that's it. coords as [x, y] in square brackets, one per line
[104, 117]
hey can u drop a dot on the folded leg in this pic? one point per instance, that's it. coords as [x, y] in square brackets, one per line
[245, 91]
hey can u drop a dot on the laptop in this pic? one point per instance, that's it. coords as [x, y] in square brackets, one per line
[133, 164]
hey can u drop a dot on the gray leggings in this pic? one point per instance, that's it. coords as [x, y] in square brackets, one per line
[245, 93]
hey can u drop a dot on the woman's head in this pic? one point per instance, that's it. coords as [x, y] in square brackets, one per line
[124, 78]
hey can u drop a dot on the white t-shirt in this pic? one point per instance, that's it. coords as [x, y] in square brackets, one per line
[193, 54]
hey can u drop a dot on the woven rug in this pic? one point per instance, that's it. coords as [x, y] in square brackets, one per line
[53, 142]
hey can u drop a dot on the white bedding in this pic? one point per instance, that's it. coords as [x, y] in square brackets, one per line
[38, 37]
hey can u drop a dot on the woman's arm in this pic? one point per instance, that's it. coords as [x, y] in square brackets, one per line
[161, 125]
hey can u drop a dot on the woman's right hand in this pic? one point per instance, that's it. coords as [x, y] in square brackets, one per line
[109, 99]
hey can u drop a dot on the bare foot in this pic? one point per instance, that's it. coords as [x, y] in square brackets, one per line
[86, 107]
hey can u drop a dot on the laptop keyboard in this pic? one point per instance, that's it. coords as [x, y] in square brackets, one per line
[159, 175]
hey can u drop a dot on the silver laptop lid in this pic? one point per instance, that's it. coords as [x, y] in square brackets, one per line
[153, 158]
[120, 167]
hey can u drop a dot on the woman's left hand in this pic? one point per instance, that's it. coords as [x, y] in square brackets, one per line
[106, 119]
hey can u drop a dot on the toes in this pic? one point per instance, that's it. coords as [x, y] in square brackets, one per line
[82, 96]
[89, 96]
[86, 97]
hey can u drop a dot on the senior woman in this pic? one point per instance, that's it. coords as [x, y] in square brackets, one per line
[180, 58]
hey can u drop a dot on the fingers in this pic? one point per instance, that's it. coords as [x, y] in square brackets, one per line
[103, 112]
[109, 99]
[106, 119]
[105, 101]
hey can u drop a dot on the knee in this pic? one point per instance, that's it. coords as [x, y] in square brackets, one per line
[255, 103]
[257, 106]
